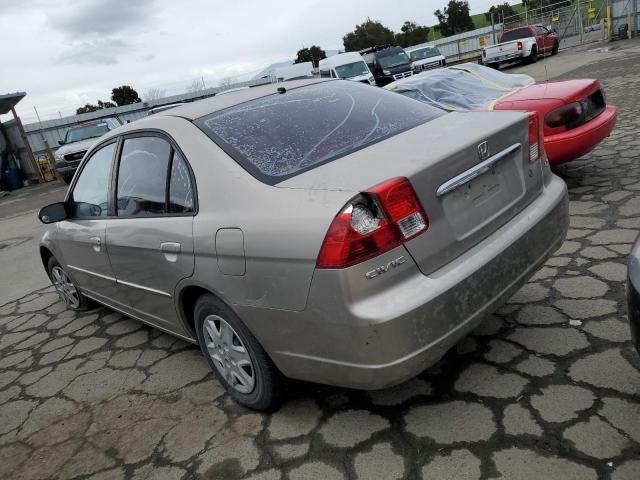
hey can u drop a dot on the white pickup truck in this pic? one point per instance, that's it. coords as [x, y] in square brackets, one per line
[521, 44]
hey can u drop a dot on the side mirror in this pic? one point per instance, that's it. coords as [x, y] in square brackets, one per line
[53, 213]
[60, 142]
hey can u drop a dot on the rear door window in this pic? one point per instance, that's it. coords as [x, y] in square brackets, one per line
[142, 176]
[180, 187]
[281, 135]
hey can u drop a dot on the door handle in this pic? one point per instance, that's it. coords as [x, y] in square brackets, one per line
[170, 250]
[96, 243]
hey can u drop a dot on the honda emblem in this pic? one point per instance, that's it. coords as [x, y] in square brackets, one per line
[483, 150]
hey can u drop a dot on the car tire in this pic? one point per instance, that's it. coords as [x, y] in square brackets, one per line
[533, 56]
[495, 65]
[67, 179]
[554, 50]
[66, 287]
[237, 359]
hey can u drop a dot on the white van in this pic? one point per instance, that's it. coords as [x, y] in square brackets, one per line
[294, 72]
[425, 57]
[350, 66]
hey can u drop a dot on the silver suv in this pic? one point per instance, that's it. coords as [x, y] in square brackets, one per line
[77, 141]
[324, 231]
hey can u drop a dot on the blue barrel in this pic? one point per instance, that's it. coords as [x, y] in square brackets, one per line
[12, 178]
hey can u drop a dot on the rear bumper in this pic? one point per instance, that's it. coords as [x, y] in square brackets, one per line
[384, 339]
[566, 146]
[633, 294]
[503, 58]
[67, 169]
[633, 302]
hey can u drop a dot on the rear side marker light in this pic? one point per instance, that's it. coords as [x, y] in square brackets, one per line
[519, 45]
[374, 222]
[535, 137]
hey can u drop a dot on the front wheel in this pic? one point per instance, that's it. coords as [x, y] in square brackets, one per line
[66, 288]
[237, 359]
[554, 50]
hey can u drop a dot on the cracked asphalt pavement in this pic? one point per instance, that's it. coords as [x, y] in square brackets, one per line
[548, 387]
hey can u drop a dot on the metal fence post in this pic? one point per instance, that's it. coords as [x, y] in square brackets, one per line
[493, 29]
[580, 21]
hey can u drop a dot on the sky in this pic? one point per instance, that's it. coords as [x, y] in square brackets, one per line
[67, 53]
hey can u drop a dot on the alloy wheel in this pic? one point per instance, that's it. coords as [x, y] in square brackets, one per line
[229, 355]
[65, 287]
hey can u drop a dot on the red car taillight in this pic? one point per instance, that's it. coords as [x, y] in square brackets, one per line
[519, 45]
[565, 115]
[374, 222]
[535, 137]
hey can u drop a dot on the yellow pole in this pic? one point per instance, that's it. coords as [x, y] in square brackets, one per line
[609, 24]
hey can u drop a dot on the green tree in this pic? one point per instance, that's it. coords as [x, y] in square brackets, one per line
[87, 108]
[455, 18]
[535, 3]
[367, 34]
[412, 34]
[312, 54]
[124, 95]
[102, 104]
[499, 12]
[92, 108]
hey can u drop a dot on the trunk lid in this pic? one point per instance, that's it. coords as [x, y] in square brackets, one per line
[430, 156]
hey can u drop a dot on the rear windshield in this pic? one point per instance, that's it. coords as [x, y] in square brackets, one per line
[281, 135]
[515, 34]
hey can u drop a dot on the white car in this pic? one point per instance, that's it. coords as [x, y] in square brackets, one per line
[77, 141]
[425, 57]
[348, 66]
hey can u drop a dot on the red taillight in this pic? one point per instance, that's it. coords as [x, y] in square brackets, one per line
[565, 115]
[519, 45]
[374, 222]
[400, 203]
[535, 137]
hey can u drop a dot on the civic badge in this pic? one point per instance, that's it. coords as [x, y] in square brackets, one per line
[483, 150]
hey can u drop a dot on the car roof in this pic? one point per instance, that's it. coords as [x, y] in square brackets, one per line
[341, 58]
[198, 109]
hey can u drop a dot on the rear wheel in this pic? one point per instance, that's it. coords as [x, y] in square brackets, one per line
[66, 288]
[554, 50]
[495, 65]
[235, 356]
[533, 56]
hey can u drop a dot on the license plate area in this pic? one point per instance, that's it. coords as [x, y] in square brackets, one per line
[484, 199]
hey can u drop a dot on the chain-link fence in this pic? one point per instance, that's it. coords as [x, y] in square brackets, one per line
[575, 22]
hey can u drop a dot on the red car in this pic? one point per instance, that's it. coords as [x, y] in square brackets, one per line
[575, 115]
